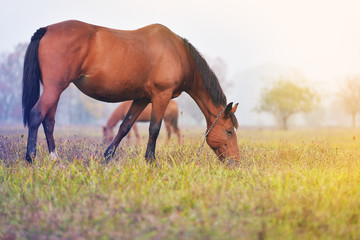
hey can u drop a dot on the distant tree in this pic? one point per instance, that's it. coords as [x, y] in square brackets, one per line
[349, 96]
[285, 99]
[10, 83]
[93, 107]
[77, 108]
[219, 66]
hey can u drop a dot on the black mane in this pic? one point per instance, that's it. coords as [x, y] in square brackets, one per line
[211, 82]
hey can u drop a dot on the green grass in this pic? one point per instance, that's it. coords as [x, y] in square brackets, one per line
[302, 184]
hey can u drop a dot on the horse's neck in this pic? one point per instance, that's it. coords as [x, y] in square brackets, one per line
[206, 105]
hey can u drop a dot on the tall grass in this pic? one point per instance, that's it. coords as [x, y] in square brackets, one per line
[289, 185]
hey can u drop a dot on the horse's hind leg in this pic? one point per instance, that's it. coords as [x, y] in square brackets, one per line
[135, 110]
[35, 119]
[168, 131]
[137, 135]
[37, 114]
[48, 124]
[177, 132]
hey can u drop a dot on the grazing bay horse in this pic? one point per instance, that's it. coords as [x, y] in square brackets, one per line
[170, 118]
[148, 65]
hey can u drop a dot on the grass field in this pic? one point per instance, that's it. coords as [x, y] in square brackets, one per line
[300, 184]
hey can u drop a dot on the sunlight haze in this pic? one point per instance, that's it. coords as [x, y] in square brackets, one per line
[319, 38]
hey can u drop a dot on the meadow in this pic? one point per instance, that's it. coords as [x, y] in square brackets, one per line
[297, 184]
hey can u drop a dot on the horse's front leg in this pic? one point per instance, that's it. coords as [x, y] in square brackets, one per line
[159, 105]
[135, 110]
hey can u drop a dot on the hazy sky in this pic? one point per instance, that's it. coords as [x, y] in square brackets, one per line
[320, 37]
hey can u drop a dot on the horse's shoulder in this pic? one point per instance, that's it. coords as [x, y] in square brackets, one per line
[157, 26]
[156, 29]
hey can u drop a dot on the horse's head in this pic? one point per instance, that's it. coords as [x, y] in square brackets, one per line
[222, 138]
[108, 134]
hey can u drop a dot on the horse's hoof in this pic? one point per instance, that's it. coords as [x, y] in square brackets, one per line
[29, 159]
[107, 158]
[150, 161]
[54, 156]
[108, 154]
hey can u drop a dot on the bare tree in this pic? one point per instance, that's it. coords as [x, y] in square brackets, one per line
[219, 66]
[10, 83]
[349, 96]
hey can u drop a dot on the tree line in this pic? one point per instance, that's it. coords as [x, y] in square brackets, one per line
[283, 99]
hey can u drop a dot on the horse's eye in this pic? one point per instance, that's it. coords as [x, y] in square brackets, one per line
[229, 132]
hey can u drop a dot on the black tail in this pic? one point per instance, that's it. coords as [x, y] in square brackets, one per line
[31, 75]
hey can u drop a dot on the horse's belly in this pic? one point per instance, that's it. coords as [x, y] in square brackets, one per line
[110, 91]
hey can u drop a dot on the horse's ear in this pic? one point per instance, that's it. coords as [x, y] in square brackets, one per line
[233, 110]
[230, 109]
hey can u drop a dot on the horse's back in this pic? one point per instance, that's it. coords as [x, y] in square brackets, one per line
[114, 65]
